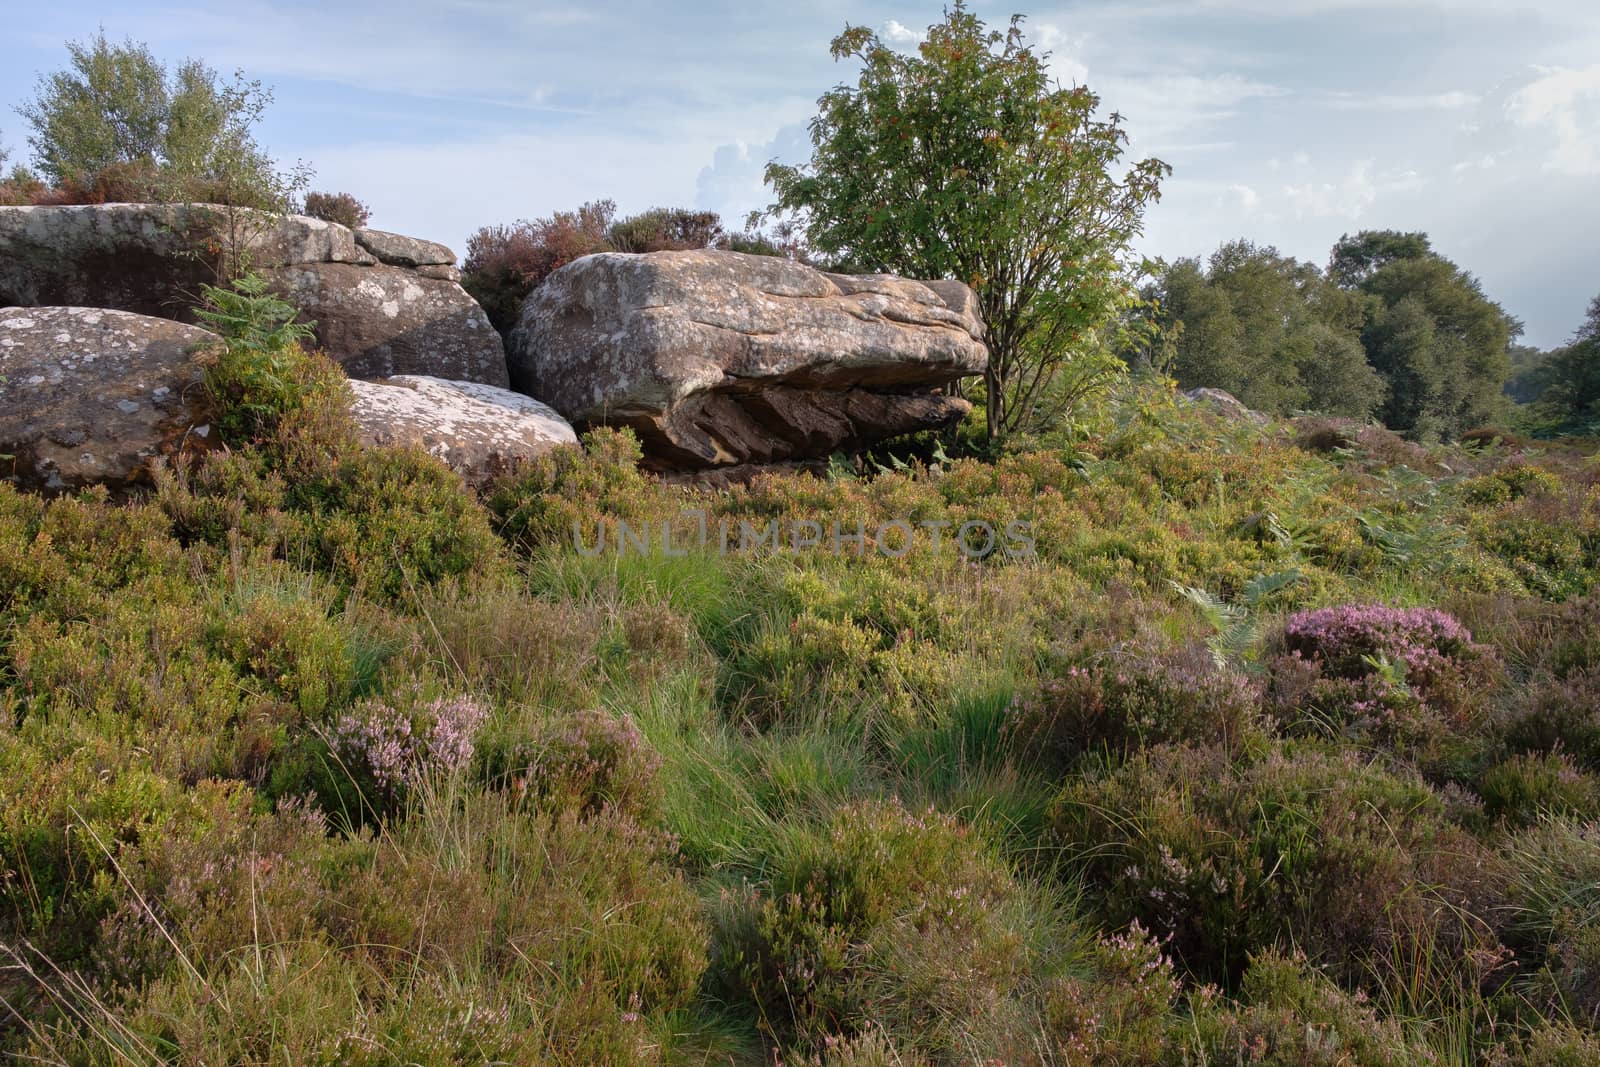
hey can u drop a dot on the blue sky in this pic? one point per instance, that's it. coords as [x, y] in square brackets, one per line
[1286, 121]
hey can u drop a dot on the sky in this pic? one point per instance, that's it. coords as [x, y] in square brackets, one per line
[1287, 122]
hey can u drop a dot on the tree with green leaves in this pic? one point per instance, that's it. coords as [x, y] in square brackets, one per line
[1440, 344]
[1572, 396]
[967, 160]
[117, 116]
[1267, 328]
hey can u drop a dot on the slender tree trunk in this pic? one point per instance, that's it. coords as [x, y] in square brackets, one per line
[994, 403]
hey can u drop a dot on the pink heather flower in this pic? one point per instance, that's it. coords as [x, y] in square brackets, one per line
[384, 740]
[456, 722]
[1342, 637]
[380, 737]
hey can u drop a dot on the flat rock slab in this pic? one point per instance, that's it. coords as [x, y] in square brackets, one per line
[718, 359]
[383, 303]
[398, 250]
[476, 429]
[90, 396]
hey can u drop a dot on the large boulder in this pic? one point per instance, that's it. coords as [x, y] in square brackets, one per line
[718, 359]
[380, 321]
[476, 429]
[89, 396]
[1222, 403]
[383, 303]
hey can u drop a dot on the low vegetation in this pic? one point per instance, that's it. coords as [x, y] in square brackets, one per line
[1279, 747]
[1265, 742]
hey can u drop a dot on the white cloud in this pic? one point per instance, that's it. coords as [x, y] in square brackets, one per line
[902, 34]
[1162, 107]
[1566, 102]
[1248, 198]
[1351, 196]
[1455, 100]
[733, 183]
[1064, 50]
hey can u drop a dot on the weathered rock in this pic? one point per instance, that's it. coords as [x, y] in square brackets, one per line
[398, 250]
[717, 358]
[381, 321]
[1223, 403]
[476, 429]
[384, 304]
[89, 396]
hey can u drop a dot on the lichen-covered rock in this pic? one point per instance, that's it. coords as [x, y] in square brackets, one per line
[380, 321]
[718, 359]
[153, 258]
[1222, 403]
[476, 429]
[398, 250]
[90, 396]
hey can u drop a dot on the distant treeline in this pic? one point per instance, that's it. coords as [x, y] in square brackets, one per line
[1390, 330]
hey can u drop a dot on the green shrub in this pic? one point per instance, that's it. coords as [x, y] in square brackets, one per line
[1526, 787]
[885, 920]
[665, 230]
[587, 760]
[1288, 1014]
[1132, 699]
[1306, 847]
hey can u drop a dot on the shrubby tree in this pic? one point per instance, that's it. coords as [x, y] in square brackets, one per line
[1440, 344]
[1530, 373]
[966, 160]
[119, 121]
[503, 264]
[342, 208]
[1267, 328]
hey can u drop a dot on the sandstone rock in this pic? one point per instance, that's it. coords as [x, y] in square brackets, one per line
[381, 321]
[476, 429]
[384, 303]
[1223, 403]
[401, 251]
[89, 396]
[718, 358]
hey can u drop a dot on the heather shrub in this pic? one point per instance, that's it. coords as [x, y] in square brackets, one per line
[1557, 714]
[1121, 1012]
[585, 760]
[1346, 639]
[1553, 1045]
[340, 208]
[1131, 699]
[511, 645]
[1408, 678]
[504, 264]
[1319, 849]
[665, 230]
[1551, 543]
[569, 494]
[477, 933]
[884, 919]
[1289, 1014]
[380, 750]
[1526, 787]
[400, 521]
